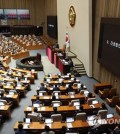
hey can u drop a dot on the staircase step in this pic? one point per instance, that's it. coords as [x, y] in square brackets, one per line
[82, 73]
[77, 67]
[78, 64]
[80, 69]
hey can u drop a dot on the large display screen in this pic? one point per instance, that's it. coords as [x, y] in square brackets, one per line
[52, 26]
[1, 14]
[10, 14]
[23, 14]
[109, 44]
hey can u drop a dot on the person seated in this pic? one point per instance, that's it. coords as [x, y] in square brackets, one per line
[56, 88]
[37, 100]
[42, 87]
[71, 64]
[35, 113]
[70, 88]
[53, 97]
[47, 130]
[20, 129]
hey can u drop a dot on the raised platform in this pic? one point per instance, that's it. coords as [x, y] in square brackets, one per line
[22, 63]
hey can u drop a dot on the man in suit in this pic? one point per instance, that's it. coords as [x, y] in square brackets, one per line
[56, 88]
[47, 131]
[20, 130]
[42, 87]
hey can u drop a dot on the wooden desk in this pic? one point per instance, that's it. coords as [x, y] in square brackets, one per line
[76, 125]
[21, 89]
[5, 110]
[48, 109]
[14, 98]
[25, 72]
[57, 82]
[100, 86]
[61, 98]
[63, 68]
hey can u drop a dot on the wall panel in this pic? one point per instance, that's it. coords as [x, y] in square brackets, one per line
[103, 8]
[36, 8]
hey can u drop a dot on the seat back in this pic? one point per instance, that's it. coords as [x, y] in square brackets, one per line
[103, 114]
[90, 100]
[56, 93]
[2, 91]
[41, 93]
[81, 116]
[112, 92]
[115, 100]
[12, 92]
[75, 102]
[56, 117]
[105, 92]
[56, 103]
[33, 117]
[3, 101]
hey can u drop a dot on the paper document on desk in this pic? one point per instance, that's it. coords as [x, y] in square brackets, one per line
[72, 96]
[69, 125]
[9, 96]
[42, 108]
[48, 124]
[26, 126]
[29, 108]
[48, 121]
[46, 97]
[70, 119]
[90, 122]
[2, 107]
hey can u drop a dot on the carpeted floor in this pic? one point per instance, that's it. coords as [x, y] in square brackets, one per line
[18, 113]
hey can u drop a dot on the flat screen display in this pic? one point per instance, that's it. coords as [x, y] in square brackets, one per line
[23, 14]
[1, 14]
[109, 44]
[52, 26]
[10, 14]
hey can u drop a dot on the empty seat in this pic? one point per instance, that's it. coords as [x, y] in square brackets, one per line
[2, 91]
[90, 100]
[56, 103]
[103, 114]
[117, 107]
[75, 102]
[112, 92]
[56, 93]
[113, 102]
[104, 93]
[56, 117]
[81, 116]
[41, 93]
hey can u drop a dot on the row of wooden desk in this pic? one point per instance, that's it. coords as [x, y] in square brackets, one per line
[5, 110]
[83, 126]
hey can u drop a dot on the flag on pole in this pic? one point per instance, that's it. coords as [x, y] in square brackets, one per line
[67, 41]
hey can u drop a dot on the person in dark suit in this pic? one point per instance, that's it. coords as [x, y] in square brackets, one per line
[42, 87]
[20, 130]
[56, 88]
[70, 88]
[37, 100]
[47, 130]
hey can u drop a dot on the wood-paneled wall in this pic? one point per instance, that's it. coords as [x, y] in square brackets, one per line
[36, 8]
[103, 8]
[39, 9]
